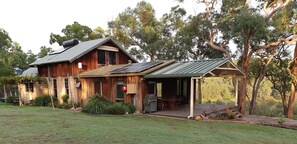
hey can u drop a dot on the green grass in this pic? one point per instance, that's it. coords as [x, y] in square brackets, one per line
[44, 125]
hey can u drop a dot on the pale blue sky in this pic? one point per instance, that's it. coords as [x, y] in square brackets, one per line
[30, 22]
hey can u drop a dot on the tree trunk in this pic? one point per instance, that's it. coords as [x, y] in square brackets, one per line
[244, 64]
[291, 102]
[284, 102]
[293, 86]
[256, 88]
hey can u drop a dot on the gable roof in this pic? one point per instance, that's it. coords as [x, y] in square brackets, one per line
[78, 51]
[212, 67]
[32, 71]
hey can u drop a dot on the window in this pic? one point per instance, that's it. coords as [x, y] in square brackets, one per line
[66, 86]
[55, 88]
[119, 91]
[101, 57]
[98, 87]
[159, 89]
[112, 57]
[106, 57]
[152, 87]
[29, 87]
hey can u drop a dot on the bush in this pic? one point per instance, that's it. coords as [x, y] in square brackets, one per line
[131, 108]
[116, 109]
[100, 105]
[12, 99]
[65, 98]
[43, 100]
[96, 105]
[65, 106]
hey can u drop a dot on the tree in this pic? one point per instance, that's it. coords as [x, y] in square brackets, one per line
[31, 57]
[44, 51]
[244, 25]
[78, 31]
[278, 75]
[140, 29]
[5, 44]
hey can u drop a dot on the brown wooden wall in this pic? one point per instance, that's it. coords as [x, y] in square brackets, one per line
[109, 89]
[89, 62]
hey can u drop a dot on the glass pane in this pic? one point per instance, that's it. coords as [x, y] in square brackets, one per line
[151, 88]
[120, 93]
[112, 58]
[101, 56]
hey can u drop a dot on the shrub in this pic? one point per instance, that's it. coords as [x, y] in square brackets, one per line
[43, 100]
[65, 106]
[12, 99]
[116, 109]
[96, 105]
[65, 98]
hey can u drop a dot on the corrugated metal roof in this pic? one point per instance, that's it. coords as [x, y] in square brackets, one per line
[77, 51]
[189, 69]
[32, 71]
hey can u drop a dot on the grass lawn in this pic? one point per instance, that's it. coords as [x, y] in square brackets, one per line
[43, 125]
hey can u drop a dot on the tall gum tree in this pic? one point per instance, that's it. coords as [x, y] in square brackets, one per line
[222, 17]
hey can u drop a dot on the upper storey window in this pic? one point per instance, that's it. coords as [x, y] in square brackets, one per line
[107, 55]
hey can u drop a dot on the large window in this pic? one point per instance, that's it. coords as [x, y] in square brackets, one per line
[66, 86]
[101, 57]
[106, 57]
[29, 87]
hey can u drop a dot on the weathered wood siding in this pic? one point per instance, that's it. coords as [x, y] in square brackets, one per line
[109, 89]
[89, 62]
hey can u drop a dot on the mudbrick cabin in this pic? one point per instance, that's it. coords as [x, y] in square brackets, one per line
[81, 69]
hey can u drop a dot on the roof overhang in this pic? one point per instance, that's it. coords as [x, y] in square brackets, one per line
[201, 68]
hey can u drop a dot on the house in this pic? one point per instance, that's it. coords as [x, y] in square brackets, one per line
[103, 66]
[62, 66]
[29, 90]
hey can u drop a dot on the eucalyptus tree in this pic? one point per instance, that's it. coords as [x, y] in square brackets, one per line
[240, 22]
[139, 29]
[78, 31]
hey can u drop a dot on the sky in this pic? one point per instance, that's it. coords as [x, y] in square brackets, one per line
[30, 22]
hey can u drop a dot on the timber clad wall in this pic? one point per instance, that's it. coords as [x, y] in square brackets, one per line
[89, 61]
[109, 89]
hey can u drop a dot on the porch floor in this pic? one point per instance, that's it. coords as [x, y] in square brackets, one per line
[183, 111]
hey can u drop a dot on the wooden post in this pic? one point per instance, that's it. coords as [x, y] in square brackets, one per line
[199, 91]
[70, 92]
[191, 99]
[236, 91]
[48, 84]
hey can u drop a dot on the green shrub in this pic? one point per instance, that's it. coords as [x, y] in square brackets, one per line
[44, 100]
[65, 106]
[100, 105]
[12, 99]
[96, 105]
[65, 98]
[116, 109]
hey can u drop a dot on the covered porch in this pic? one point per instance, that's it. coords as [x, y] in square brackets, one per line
[178, 86]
